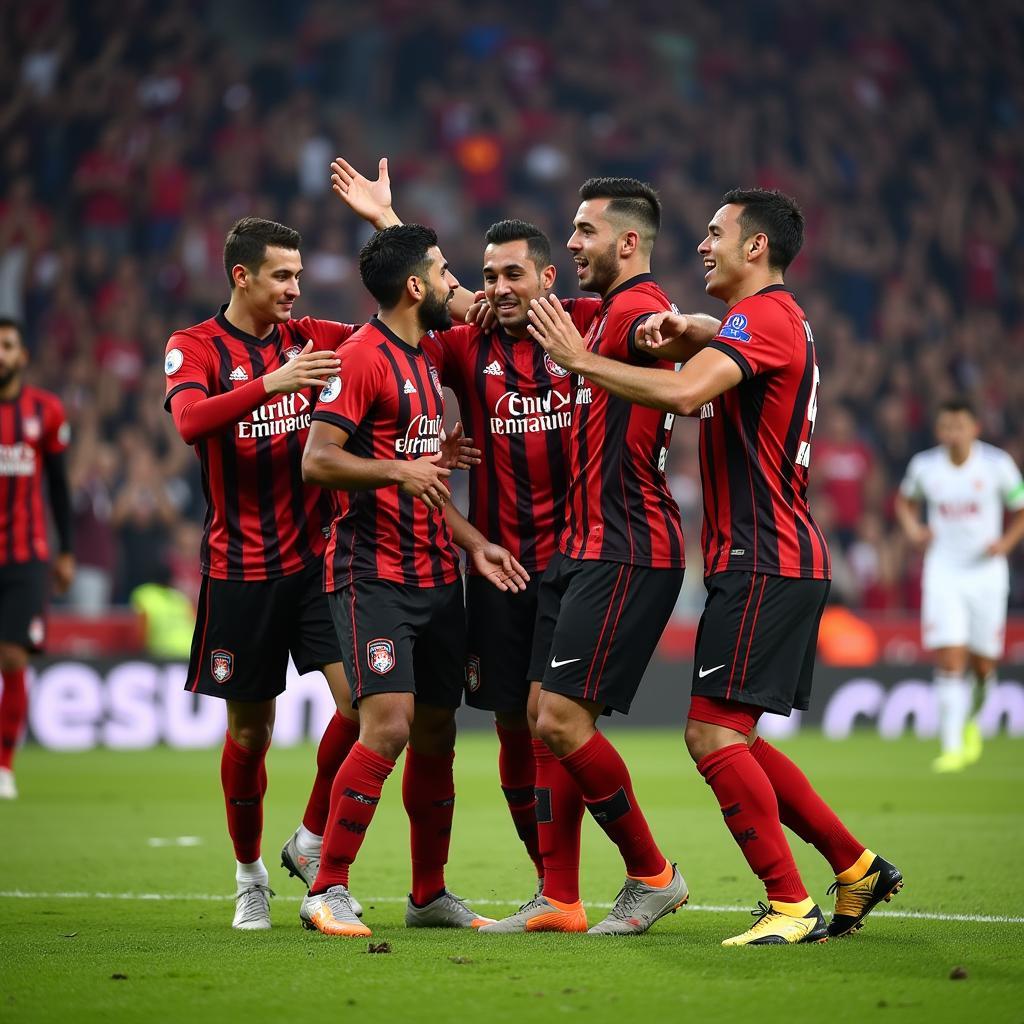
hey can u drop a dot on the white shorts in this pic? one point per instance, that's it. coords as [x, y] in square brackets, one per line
[965, 607]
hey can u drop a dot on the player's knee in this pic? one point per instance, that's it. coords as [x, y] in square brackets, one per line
[253, 735]
[560, 733]
[699, 739]
[386, 736]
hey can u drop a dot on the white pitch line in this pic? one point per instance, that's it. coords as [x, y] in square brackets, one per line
[701, 908]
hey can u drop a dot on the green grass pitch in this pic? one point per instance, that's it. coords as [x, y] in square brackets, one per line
[84, 826]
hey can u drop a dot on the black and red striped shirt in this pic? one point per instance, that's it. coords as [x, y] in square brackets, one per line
[755, 445]
[516, 403]
[262, 521]
[32, 426]
[387, 398]
[620, 508]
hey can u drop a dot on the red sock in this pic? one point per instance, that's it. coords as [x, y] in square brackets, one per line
[336, 742]
[354, 797]
[428, 792]
[517, 770]
[559, 817]
[803, 811]
[243, 776]
[751, 814]
[607, 791]
[13, 712]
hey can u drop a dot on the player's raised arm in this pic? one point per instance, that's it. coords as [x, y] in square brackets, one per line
[326, 463]
[371, 200]
[704, 377]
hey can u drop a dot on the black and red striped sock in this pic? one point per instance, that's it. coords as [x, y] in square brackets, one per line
[751, 814]
[336, 742]
[243, 777]
[517, 771]
[13, 713]
[607, 789]
[428, 792]
[354, 798]
[559, 818]
[802, 809]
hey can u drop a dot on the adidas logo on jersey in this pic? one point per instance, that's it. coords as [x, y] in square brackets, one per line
[410, 388]
[238, 373]
[494, 369]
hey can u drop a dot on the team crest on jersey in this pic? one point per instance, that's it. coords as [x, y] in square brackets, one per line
[222, 665]
[173, 361]
[36, 632]
[331, 389]
[553, 368]
[380, 655]
[436, 378]
[31, 428]
[735, 328]
[291, 353]
[472, 673]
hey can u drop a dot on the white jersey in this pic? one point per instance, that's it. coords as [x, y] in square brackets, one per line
[964, 503]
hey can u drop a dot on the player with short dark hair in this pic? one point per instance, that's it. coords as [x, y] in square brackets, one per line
[609, 591]
[754, 386]
[517, 404]
[34, 434]
[393, 581]
[241, 388]
[965, 486]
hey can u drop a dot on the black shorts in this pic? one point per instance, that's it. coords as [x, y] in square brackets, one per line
[500, 640]
[757, 639]
[23, 590]
[245, 630]
[401, 639]
[598, 624]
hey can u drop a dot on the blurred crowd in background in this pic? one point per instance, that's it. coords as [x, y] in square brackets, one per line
[133, 134]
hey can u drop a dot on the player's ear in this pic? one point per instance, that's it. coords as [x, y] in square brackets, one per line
[414, 287]
[547, 278]
[240, 275]
[757, 246]
[629, 244]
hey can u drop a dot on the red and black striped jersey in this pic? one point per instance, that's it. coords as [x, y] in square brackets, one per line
[755, 445]
[620, 508]
[262, 521]
[32, 426]
[516, 403]
[387, 398]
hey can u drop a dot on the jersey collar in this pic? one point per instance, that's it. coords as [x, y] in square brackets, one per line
[630, 283]
[774, 288]
[249, 339]
[379, 325]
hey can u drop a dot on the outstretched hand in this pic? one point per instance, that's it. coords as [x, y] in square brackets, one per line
[497, 565]
[370, 199]
[457, 451]
[553, 328]
[660, 329]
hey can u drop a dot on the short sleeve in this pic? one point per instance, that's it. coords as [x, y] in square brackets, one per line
[1011, 485]
[757, 335]
[325, 334]
[187, 364]
[346, 398]
[56, 429]
[911, 486]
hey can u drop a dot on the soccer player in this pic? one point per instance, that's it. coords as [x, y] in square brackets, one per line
[965, 485]
[33, 437]
[240, 387]
[754, 386]
[517, 404]
[393, 581]
[608, 593]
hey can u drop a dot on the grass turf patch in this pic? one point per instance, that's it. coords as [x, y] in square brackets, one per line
[86, 823]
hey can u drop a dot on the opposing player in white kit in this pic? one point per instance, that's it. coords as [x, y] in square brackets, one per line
[965, 485]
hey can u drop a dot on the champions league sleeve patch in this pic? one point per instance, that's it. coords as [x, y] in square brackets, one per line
[173, 361]
[735, 328]
[330, 390]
